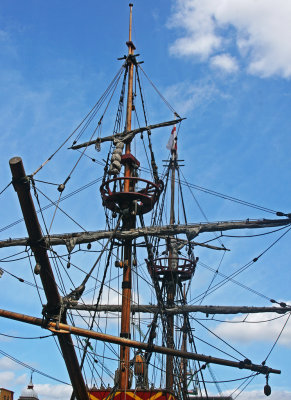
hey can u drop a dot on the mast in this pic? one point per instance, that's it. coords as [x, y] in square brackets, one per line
[171, 284]
[184, 346]
[128, 223]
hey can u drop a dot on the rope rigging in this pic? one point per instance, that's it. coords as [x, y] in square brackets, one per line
[259, 255]
[172, 249]
[90, 113]
[239, 271]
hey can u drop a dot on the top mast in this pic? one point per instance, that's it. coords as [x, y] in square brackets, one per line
[131, 49]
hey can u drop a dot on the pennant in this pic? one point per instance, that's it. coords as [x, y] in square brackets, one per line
[172, 142]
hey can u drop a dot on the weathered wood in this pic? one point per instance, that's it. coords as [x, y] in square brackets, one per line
[182, 243]
[128, 223]
[127, 135]
[63, 328]
[22, 187]
[152, 309]
[191, 230]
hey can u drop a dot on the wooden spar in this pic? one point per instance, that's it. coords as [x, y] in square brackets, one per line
[128, 223]
[160, 231]
[68, 329]
[22, 187]
[61, 240]
[185, 309]
[127, 135]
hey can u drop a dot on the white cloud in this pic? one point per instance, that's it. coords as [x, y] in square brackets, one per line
[21, 380]
[6, 363]
[3, 36]
[201, 46]
[9, 379]
[200, 39]
[254, 331]
[186, 97]
[256, 394]
[225, 62]
[5, 339]
[259, 395]
[259, 30]
[51, 392]
[6, 378]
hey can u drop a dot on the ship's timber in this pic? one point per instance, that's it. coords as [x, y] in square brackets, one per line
[191, 230]
[153, 309]
[53, 308]
[64, 328]
[127, 135]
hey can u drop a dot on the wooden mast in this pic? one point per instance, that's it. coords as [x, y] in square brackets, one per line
[128, 223]
[171, 284]
[184, 348]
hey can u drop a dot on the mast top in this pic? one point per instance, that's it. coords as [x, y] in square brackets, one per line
[130, 44]
[130, 21]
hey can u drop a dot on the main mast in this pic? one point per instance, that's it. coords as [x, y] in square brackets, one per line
[129, 196]
[128, 223]
[171, 283]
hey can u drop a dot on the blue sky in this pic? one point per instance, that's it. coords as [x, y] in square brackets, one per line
[225, 66]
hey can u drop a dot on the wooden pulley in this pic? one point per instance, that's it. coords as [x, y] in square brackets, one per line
[139, 365]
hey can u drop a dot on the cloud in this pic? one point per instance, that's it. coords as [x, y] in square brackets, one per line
[21, 379]
[6, 378]
[257, 30]
[4, 36]
[9, 379]
[254, 331]
[6, 363]
[50, 392]
[185, 96]
[202, 46]
[224, 62]
[256, 394]
[5, 339]
[259, 395]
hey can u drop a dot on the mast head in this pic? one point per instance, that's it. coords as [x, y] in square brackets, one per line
[130, 21]
[130, 45]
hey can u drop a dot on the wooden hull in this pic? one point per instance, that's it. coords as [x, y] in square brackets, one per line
[139, 394]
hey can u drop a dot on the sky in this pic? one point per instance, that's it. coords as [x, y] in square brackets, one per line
[225, 66]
